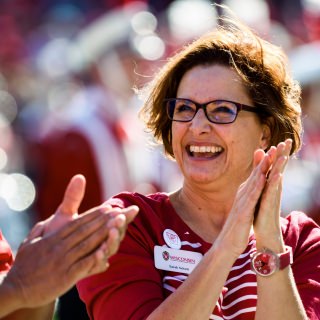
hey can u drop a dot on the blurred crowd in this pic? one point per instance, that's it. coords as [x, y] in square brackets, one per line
[68, 69]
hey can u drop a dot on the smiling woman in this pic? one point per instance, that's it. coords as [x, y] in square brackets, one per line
[227, 111]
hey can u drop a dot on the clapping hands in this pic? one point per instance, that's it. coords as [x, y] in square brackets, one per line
[257, 203]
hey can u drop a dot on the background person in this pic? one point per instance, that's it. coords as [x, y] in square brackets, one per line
[57, 253]
[82, 137]
[227, 110]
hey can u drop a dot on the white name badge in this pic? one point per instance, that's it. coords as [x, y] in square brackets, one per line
[176, 260]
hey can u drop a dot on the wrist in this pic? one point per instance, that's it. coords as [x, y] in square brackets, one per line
[223, 253]
[272, 242]
[9, 296]
[266, 262]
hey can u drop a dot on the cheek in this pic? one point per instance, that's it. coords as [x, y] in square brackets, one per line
[240, 157]
[248, 134]
[176, 140]
[243, 141]
[174, 150]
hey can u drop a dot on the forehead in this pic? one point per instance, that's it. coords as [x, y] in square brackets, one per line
[211, 82]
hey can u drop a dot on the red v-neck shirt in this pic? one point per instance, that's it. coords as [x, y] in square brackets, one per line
[132, 287]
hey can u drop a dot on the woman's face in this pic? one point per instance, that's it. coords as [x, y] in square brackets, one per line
[231, 145]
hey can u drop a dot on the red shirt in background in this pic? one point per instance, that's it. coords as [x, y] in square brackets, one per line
[6, 257]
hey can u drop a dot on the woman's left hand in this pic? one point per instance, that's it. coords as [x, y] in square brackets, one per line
[267, 222]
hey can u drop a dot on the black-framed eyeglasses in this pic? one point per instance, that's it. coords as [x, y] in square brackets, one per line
[217, 111]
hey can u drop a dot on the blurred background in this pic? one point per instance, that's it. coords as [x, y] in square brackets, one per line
[67, 103]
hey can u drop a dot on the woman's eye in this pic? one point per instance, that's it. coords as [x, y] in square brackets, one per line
[184, 107]
[223, 109]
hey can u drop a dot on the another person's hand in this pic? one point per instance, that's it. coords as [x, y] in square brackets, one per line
[65, 248]
[46, 267]
[67, 210]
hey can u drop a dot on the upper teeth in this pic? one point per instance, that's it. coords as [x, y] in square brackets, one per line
[205, 149]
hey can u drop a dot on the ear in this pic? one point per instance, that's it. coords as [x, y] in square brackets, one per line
[265, 137]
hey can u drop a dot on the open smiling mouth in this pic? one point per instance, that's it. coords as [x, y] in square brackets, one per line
[203, 151]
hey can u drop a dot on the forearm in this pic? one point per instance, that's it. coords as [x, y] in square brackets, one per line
[8, 297]
[12, 307]
[198, 294]
[42, 313]
[278, 297]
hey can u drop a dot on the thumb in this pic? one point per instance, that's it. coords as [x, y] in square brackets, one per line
[37, 230]
[73, 195]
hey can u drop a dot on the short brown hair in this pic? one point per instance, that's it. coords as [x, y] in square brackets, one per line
[261, 65]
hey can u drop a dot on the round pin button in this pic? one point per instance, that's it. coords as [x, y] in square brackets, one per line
[172, 239]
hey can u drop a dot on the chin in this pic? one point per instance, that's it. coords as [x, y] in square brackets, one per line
[201, 177]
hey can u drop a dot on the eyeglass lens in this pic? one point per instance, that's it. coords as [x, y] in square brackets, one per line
[217, 111]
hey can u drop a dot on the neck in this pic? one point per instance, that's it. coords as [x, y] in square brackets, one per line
[204, 212]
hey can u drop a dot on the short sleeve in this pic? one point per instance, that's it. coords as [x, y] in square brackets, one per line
[132, 287]
[303, 235]
[6, 257]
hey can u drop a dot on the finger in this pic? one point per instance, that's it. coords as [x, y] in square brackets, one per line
[272, 192]
[286, 152]
[97, 261]
[266, 164]
[272, 152]
[73, 195]
[279, 154]
[258, 187]
[288, 143]
[284, 148]
[122, 220]
[106, 205]
[130, 212]
[280, 149]
[113, 241]
[280, 161]
[281, 164]
[119, 222]
[270, 204]
[80, 229]
[100, 256]
[89, 265]
[257, 157]
[98, 267]
[263, 164]
[84, 218]
[249, 196]
[88, 237]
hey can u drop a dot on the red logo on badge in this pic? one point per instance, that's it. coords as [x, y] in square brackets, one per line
[165, 255]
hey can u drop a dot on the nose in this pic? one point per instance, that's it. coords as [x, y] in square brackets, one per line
[200, 123]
